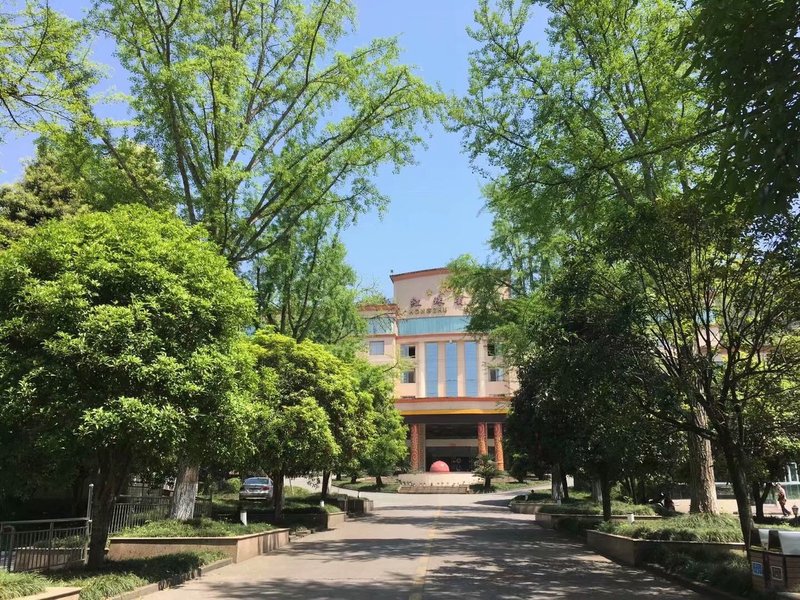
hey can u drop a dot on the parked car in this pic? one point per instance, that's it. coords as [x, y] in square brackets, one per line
[256, 488]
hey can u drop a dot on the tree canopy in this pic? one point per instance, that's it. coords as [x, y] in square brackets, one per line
[116, 329]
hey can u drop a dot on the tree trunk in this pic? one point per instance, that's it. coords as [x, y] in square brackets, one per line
[564, 486]
[326, 484]
[758, 499]
[557, 483]
[702, 490]
[487, 484]
[378, 481]
[111, 476]
[277, 495]
[185, 495]
[353, 478]
[736, 472]
[596, 489]
[605, 485]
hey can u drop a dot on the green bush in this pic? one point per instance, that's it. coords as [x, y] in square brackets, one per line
[118, 577]
[693, 528]
[14, 585]
[231, 485]
[546, 498]
[194, 528]
[727, 571]
[595, 508]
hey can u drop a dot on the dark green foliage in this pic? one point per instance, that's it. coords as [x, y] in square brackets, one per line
[193, 528]
[486, 469]
[118, 577]
[749, 56]
[14, 585]
[727, 571]
[118, 332]
[690, 528]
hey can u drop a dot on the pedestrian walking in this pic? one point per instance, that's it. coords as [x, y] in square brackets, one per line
[780, 494]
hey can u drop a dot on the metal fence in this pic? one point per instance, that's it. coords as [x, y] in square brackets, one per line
[56, 543]
[132, 511]
[43, 544]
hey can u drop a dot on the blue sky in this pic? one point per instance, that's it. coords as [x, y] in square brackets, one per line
[436, 211]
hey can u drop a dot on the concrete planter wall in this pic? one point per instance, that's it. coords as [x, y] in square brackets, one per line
[630, 551]
[238, 548]
[323, 520]
[551, 521]
[361, 506]
[333, 520]
[56, 593]
[525, 508]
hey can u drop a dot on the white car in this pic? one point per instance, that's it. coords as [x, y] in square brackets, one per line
[256, 488]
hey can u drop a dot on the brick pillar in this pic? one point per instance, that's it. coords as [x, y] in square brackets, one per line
[415, 447]
[423, 457]
[482, 443]
[498, 446]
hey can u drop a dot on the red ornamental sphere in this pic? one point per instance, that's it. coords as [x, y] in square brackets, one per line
[440, 467]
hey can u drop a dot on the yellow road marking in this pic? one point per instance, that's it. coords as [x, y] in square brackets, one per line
[422, 568]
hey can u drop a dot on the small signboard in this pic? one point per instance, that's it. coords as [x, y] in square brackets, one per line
[776, 573]
[758, 569]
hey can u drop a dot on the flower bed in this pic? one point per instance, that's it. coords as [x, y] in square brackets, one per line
[193, 528]
[688, 528]
[633, 551]
[238, 542]
[113, 579]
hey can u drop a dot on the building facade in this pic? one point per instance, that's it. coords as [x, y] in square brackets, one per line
[452, 388]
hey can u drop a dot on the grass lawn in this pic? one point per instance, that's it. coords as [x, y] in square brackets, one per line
[547, 498]
[367, 484]
[695, 528]
[502, 484]
[113, 579]
[580, 503]
[729, 571]
[194, 528]
[14, 585]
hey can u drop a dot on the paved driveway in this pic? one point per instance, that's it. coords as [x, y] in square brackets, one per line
[438, 546]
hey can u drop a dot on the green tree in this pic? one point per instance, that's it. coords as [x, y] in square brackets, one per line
[607, 121]
[260, 118]
[486, 469]
[748, 54]
[69, 175]
[43, 65]
[386, 448]
[306, 290]
[110, 326]
[309, 382]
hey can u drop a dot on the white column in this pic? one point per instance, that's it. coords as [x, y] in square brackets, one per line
[482, 368]
[420, 370]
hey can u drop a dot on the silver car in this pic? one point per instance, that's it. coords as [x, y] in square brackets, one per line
[256, 488]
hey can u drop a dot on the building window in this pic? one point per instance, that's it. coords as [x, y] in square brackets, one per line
[376, 348]
[431, 369]
[491, 349]
[471, 368]
[409, 377]
[408, 351]
[495, 374]
[451, 369]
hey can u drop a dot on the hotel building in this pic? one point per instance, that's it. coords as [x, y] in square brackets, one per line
[452, 387]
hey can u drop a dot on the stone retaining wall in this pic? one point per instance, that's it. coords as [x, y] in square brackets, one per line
[55, 593]
[630, 551]
[238, 548]
[551, 520]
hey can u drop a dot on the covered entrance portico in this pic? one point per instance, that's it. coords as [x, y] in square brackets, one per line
[455, 439]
